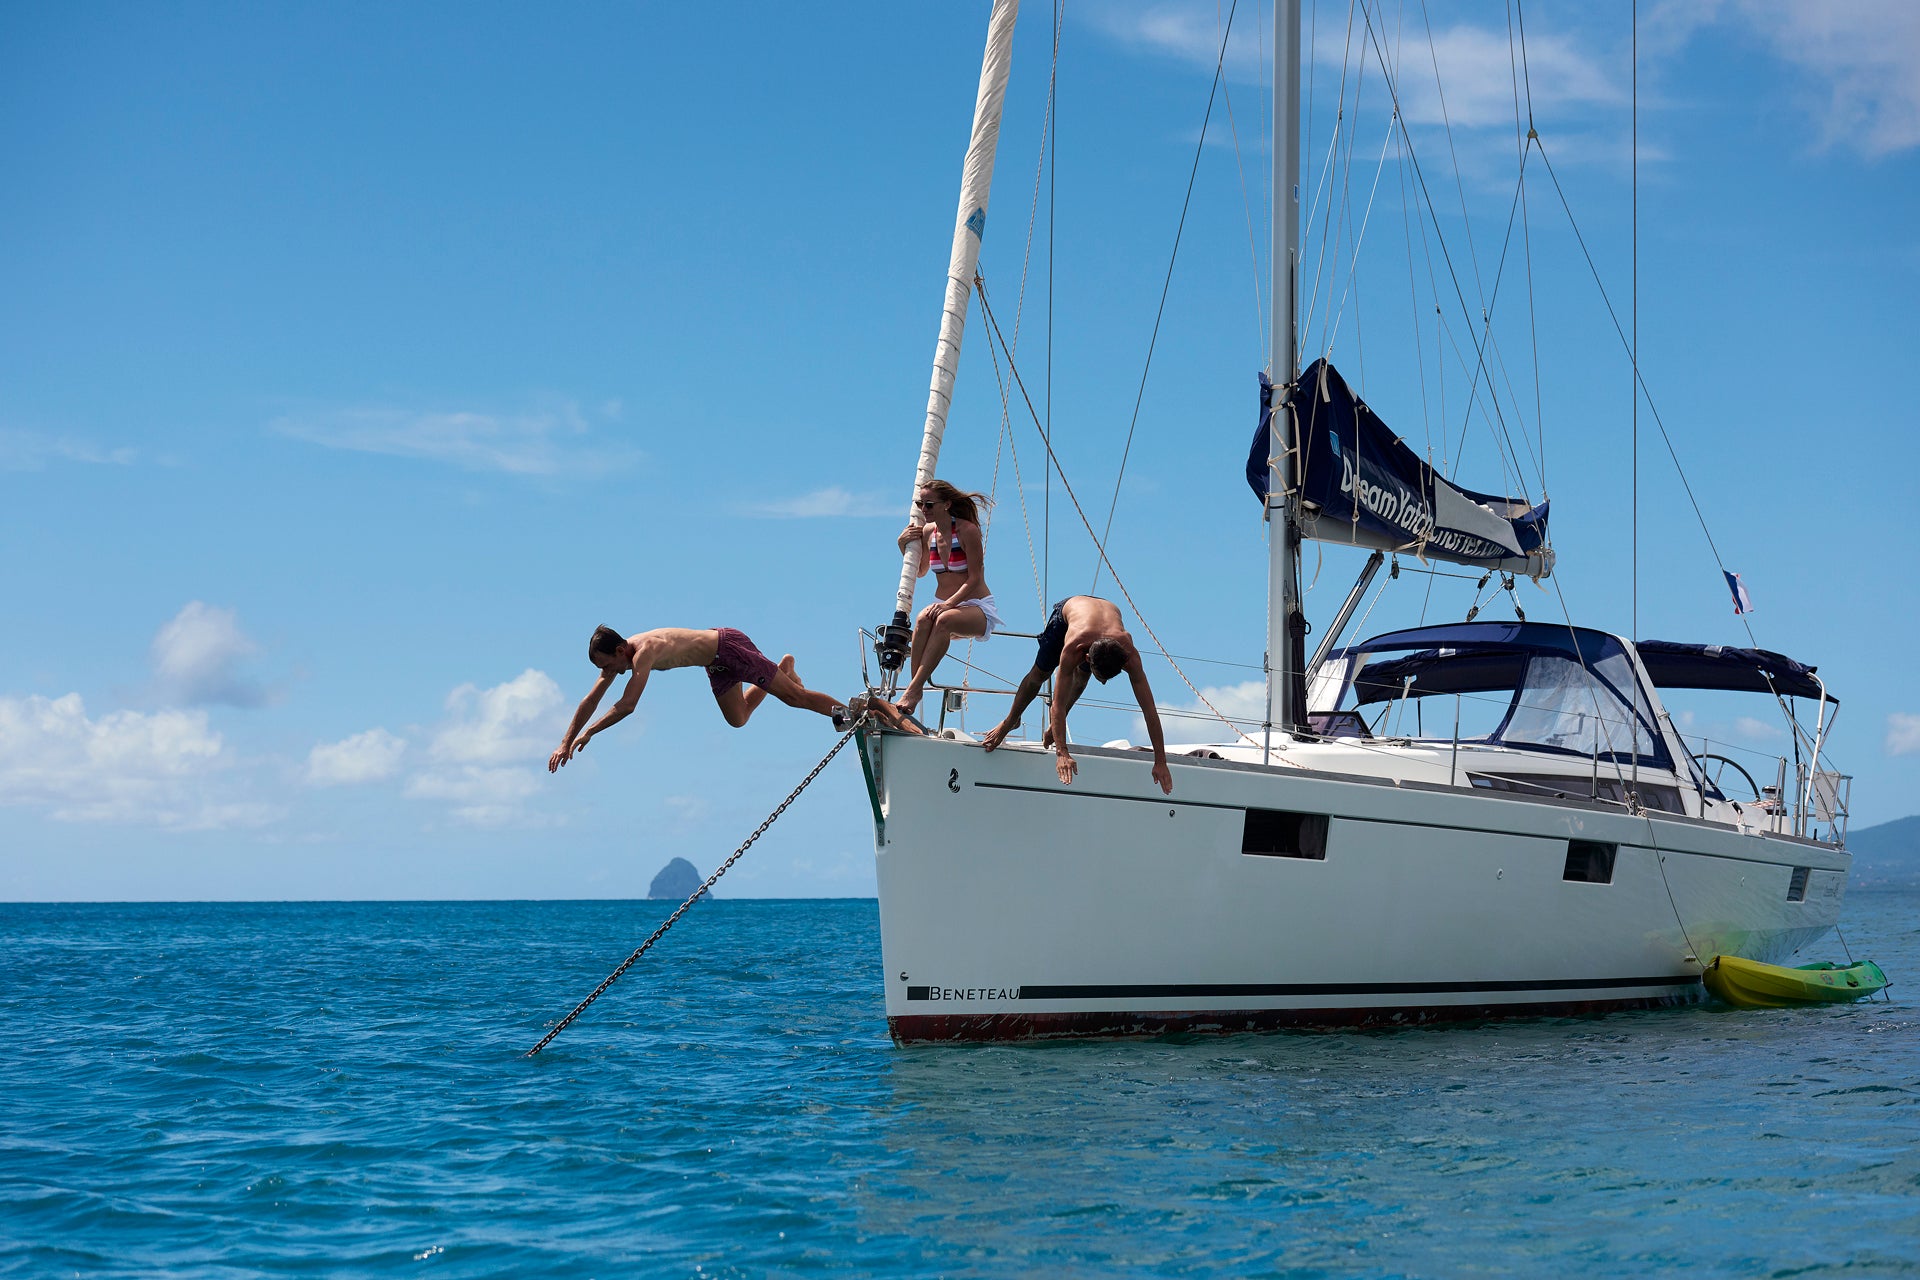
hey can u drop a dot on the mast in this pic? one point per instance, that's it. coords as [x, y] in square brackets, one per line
[969, 225]
[1286, 624]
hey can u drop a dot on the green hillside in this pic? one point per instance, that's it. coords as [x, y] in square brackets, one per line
[1890, 851]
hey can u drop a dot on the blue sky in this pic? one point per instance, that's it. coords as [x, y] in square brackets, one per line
[356, 360]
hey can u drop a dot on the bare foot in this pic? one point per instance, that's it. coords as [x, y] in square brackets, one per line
[907, 701]
[885, 712]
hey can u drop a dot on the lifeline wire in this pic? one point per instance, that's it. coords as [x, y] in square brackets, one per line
[793, 795]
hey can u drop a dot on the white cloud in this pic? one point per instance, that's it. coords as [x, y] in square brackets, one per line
[831, 501]
[1750, 728]
[198, 657]
[1477, 75]
[1193, 721]
[1903, 733]
[486, 758]
[1190, 32]
[1860, 60]
[686, 810]
[1476, 64]
[365, 757]
[480, 796]
[33, 450]
[1864, 59]
[160, 769]
[543, 443]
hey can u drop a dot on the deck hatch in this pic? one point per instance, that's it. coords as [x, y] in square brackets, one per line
[1797, 887]
[1277, 833]
[1589, 862]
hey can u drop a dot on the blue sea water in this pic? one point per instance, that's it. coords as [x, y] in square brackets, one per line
[339, 1089]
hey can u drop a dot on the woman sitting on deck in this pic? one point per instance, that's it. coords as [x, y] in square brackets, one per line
[947, 529]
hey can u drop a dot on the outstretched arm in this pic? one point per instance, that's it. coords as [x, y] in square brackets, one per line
[1144, 696]
[1022, 699]
[1068, 681]
[587, 704]
[629, 699]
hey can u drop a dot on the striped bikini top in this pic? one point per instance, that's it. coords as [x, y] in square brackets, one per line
[954, 559]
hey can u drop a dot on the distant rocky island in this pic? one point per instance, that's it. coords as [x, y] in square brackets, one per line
[677, 880]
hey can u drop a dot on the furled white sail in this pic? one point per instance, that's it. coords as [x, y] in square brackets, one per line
[969, 225]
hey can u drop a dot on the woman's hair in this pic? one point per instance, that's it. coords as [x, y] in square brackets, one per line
[603, 645]
[964, 505]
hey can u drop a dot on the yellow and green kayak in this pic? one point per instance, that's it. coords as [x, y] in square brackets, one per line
[1752, 985]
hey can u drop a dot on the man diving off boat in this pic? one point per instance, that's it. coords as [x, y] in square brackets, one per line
[1083, 637]
[740, 674]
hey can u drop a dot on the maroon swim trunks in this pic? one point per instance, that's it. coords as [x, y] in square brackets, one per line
[739, 661]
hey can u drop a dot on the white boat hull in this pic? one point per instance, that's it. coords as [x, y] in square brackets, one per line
[1013, 907]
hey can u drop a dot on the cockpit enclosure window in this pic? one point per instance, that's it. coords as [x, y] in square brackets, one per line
[1566, 706]
[1534, 686]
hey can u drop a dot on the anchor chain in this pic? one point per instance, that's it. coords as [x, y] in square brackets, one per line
[758, 831]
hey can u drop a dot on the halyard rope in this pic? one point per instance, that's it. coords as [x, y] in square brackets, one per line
[657, 933]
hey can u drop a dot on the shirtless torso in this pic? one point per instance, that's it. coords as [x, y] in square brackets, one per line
[1077, 624]
[665, 648]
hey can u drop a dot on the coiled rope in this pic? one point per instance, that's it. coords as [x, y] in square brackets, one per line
[758, 831]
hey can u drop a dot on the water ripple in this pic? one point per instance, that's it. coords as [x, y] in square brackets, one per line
[236, 1090]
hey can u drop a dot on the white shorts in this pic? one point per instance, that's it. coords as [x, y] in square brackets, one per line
[985, 605]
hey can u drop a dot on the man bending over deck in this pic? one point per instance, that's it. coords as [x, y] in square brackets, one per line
[1083, 637]
[741, 676]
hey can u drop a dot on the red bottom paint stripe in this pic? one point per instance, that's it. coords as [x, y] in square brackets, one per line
[1108, 1024]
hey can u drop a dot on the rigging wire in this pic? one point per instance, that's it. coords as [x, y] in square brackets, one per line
[1634, 391]
[1639, 380]
[1246, 202]
[1420, 176]
[1100, 549]
[1166, 287]
[1372, 39]
[1053, 178]
[1526, 236]
[1020, 306]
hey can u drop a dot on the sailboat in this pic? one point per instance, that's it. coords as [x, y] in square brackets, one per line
[1358, 861]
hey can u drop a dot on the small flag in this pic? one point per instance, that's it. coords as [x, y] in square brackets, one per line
[1742, 602]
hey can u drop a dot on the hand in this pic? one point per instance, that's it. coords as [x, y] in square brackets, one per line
[1063, 764]
[913, 533]
[1163, 776]
[567, 752]
[996, 735]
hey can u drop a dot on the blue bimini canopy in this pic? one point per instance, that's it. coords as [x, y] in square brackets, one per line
[1672, 665]
[1564, 689]
[1363, 485]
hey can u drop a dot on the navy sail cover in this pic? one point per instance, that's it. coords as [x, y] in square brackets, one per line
[1361, 484]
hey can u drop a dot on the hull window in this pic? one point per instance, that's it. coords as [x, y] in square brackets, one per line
[1275, 833]
[1589, 862]
[1797, 887]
